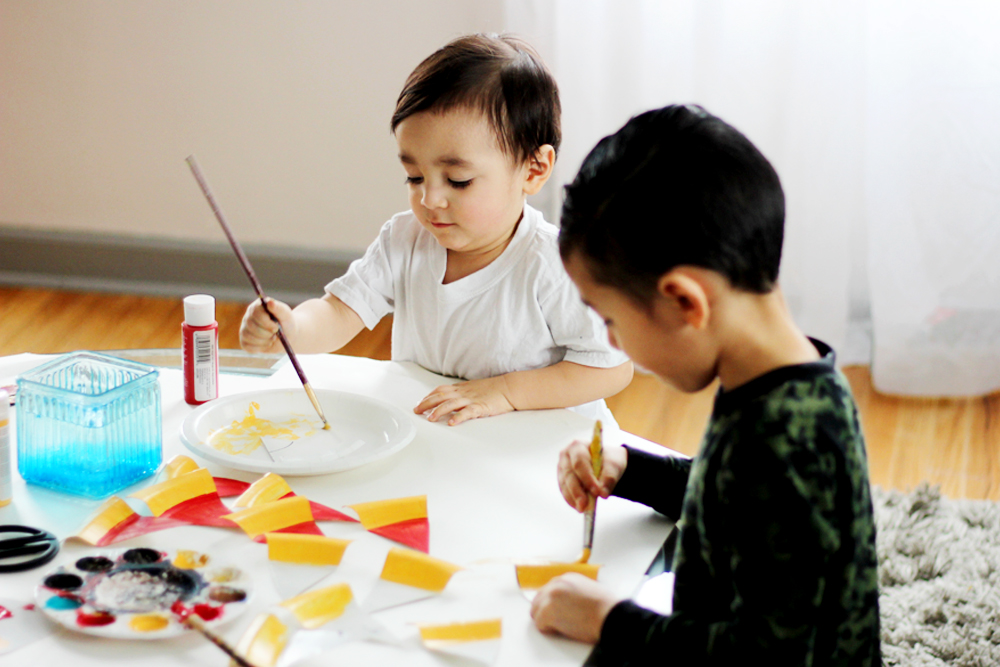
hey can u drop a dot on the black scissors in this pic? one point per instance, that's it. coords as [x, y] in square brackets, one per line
[30, 547]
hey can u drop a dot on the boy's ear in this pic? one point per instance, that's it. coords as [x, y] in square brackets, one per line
[540, 166]
[688, 293]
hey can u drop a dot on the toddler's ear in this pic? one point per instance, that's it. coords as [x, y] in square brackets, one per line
[689, 295]
[539, 168]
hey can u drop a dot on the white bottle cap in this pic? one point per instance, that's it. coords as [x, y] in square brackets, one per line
[199, 310]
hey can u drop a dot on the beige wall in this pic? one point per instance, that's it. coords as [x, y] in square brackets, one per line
[285, 104]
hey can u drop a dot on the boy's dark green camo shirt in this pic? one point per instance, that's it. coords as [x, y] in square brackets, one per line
[776, 554]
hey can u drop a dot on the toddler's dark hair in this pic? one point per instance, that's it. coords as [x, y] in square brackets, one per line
[675, 186]
[498, 75]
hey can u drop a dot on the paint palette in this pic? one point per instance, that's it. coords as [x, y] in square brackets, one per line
[277, 430]
[142, 593]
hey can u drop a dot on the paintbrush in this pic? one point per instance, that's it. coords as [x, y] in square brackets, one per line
[597, 465]
[245, 263]
[191, 621]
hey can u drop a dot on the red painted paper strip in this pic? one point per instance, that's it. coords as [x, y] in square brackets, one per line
[415, 533]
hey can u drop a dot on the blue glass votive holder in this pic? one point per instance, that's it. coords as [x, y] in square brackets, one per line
[88, 424]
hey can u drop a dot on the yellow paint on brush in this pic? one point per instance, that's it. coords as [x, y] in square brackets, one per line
[267, 489]
[110, 514]
[161, 497]
[305, 549]
[148, 623]
[413, 568]
[263, 641]
[436, 636]
[190, 560]
[586, 555]
[244, 436]
[531, 576]
[316, 608]
[387, 512]
[269, 517]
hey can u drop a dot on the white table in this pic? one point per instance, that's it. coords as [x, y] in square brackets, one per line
[492, 499]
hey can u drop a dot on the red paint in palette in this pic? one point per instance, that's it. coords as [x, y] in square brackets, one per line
[207, 612]
[94, 619]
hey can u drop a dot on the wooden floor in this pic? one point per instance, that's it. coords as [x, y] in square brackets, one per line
[954, 443]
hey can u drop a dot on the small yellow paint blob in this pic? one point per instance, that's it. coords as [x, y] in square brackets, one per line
[326, 426]
[244, 436]
[223, 575]
[148, 623]
[190, 560]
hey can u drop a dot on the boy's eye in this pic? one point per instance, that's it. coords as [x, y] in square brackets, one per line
[414, 180]
[460, 184]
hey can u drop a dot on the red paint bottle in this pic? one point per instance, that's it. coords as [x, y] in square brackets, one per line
[200, 349]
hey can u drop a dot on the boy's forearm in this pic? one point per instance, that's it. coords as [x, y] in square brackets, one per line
[324, 325]
[565, 384]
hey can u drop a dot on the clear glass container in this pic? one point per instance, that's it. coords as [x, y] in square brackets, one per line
[88, 424]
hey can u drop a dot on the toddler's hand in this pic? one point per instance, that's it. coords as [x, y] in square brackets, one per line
[576, 473]
[574, 606]
[467, 400]
[259, 333]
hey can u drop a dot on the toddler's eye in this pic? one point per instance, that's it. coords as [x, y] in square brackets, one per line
[414, 180]
[460, 184]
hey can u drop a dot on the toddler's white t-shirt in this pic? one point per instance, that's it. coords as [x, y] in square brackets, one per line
[520, 312]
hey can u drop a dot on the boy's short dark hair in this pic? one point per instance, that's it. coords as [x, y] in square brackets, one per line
[499, 75]
[675, 186]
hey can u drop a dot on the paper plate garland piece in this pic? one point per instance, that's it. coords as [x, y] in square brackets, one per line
[402, 520]
[408, 576]
[306, 625]
[225, 486]
[476, 640]
[273, 487]
[190, 497]
[115, 521]
[299, 561]
[288, 515]
[531, 576]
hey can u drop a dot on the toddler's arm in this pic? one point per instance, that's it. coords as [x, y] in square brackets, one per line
[561, 385]
[316, 325]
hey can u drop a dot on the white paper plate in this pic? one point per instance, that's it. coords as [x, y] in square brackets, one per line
[285, 435]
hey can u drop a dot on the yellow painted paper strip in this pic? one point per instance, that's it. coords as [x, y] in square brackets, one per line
[263, 641]
[385, 512]
[307, 549]
[458, 633]
[161, 497]
[179, 465]
[273, 516]
[412, 568]
[315, 608]
[536, 576]
[267, 489]
[110, 514]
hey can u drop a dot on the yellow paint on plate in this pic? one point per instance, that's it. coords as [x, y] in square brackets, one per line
[263, 641]
[531, 576]
[386, 512]
[169, 493]
[190, 560]
[110, 514]
[267, 489]
[269, 517]
[305, 549]
[244, 436]
[148, 623]
[316, 608]
[223, 575]
[437, 636]
[412, 568]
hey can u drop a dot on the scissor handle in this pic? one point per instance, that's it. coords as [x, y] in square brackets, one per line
[36, 541]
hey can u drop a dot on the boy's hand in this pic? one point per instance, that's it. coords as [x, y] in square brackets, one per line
[259, 333]
[467, 400]
[574, 606]
[576, 473]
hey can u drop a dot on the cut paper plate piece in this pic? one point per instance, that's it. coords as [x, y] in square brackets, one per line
[225, 486]
[477, 640]
[402, 520]
[288, 515]
[307, 625]
[408, 576]
[20, 624]
[273, 487]
[115, 521]
[532, 576]
[299, 561]
[189, 497]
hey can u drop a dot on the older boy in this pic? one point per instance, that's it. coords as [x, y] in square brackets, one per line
[672, 231]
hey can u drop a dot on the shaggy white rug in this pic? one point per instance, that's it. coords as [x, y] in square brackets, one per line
[939, 573]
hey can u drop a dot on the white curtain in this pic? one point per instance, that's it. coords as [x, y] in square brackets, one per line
[883, 121]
